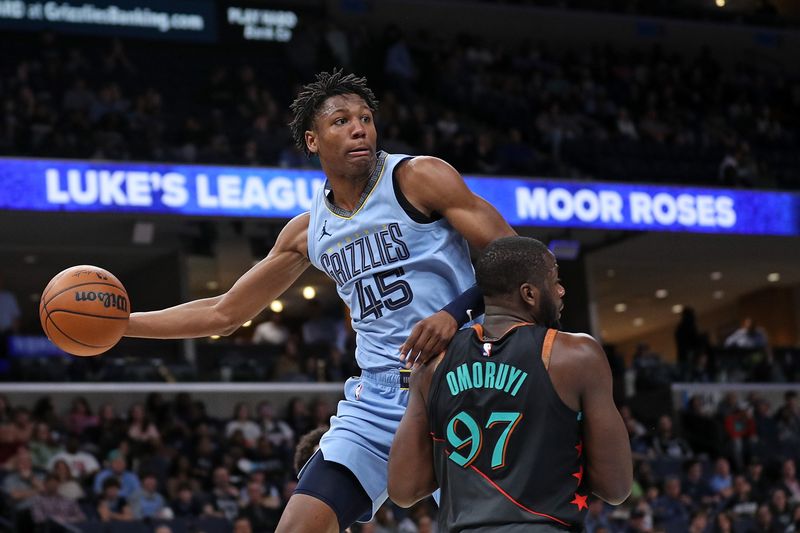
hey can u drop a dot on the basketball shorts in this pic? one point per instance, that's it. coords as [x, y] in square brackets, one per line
[362, 430]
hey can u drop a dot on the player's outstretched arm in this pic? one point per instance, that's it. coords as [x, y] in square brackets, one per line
[433, 186]
[411, 473]
[251, 293]
[605, 440]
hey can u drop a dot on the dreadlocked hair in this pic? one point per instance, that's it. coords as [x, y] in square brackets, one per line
[312, 95]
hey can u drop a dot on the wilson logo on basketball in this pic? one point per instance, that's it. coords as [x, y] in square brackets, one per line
[108, 299]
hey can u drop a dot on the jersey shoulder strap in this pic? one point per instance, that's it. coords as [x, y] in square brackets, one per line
[547, 347]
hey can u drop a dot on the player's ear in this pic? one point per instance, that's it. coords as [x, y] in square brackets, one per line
[529, 294]
[311, 142]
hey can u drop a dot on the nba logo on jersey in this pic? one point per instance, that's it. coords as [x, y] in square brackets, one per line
[358, 390]
[487, 349]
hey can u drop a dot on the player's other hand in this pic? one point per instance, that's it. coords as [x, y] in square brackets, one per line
[428, 339]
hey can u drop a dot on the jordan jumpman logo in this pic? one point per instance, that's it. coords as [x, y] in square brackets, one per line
[324, 231]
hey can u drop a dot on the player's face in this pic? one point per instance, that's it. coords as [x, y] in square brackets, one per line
[344, 135]
[551, 299]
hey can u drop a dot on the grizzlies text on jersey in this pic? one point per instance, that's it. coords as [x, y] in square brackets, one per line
[391, 270]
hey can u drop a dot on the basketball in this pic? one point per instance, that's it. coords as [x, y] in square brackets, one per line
[84, 310]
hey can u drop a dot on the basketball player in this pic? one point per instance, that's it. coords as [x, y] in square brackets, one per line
[392, 232]
[515, 422]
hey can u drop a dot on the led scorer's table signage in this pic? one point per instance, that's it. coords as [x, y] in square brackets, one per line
[89, 186]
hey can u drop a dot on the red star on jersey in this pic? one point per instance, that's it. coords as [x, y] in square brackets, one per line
[579, 475]
[580, 501]
[579, 447]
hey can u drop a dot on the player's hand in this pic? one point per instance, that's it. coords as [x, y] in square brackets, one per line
[428, 339]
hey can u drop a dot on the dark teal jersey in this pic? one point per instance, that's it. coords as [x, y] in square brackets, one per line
[508, 451]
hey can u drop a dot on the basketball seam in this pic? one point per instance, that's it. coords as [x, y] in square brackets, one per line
[81, 285]
[46, 310]
[75, 340]
[46, 318]
[85, 314]
[51, 285]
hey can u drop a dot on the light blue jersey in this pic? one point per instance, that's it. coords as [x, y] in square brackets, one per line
[392, 272]
[389, 269]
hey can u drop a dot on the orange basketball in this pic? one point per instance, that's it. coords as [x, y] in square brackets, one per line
[84, 310]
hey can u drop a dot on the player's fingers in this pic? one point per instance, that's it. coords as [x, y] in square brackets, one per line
[439, 342]
[410, 342]
[416, 351]
[427, 351]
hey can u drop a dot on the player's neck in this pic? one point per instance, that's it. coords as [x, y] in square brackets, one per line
[347, 189]
[498, 320]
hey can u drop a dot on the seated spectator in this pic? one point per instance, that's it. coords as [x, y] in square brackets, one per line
[789, 482]
[8, 445]
[723, 523]
[696, 487]
[276, 430]
[758, 482]
[43, 445]
[111, 505]
[109, 431]
[262, 510]
[21, 425]
[699, 523]
[638, 522]
[204, 457]
[297, 416]
[242, 525]
[82, 465]
[670, 510]
[765, 522]
[181, 474]
[264, 458]
[117, 469]
[270, 493]
[147, 502]
[242, 422]
[23, 482]
[141, 430]
[666, 444]
[224, 495]
[721, 481]
[644, 479]
[186, 504]
[741, 504]
[321, 413]
[781, 510]
[50, 505]
[80, 417]
[68, 487]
